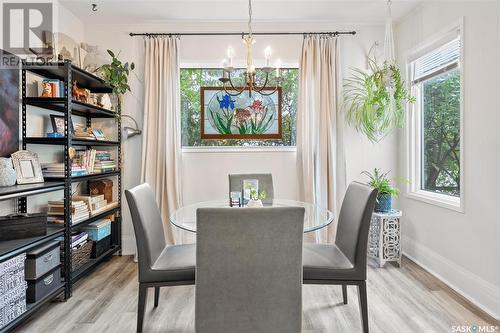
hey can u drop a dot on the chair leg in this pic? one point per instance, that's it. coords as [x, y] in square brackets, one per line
[344, 293]
[157, 296]
[363, 305]
[141, 306]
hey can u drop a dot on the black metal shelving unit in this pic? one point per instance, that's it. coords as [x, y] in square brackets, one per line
[66, 72]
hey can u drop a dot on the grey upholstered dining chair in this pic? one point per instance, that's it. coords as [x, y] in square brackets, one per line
[344, 263]
[249, 270]
[160, 264]
[265, 184]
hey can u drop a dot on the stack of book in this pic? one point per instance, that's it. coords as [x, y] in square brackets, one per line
[103, 162]
[82, 132]
[56, 170]
[78, 169]
[96, 203]
[55, 212]
[53, 169]
[79, 211]
[78, 238]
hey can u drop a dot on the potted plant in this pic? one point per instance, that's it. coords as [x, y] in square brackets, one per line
[386, 191]
[375, 100]
[256, 199]
[116, 75]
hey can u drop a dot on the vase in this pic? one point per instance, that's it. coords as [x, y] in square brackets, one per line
[7, 172]
[384, 203]
[255, 203]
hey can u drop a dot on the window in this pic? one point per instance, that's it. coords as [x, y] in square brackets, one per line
[435, 131]
[192, 79]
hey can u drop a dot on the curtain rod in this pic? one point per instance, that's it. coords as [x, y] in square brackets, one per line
[150, 34]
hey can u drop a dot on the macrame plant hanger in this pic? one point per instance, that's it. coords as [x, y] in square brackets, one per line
[389, 53]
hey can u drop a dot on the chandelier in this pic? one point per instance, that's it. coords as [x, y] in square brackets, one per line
[250, 71]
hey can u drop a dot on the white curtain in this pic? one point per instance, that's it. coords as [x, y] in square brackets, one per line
[161, 150]
[320, 148]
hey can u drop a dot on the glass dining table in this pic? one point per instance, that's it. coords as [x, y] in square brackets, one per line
[315, 217]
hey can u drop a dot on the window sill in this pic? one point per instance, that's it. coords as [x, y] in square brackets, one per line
[444, 201]
[236, 149]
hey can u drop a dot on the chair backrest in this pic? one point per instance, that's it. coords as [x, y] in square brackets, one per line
[249, 270]
[354, 223]
[265, 184]
[148, 226]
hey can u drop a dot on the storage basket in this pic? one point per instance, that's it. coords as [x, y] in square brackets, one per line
[80, 255]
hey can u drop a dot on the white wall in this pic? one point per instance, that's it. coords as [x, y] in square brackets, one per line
[205, 173]
[66, 22]
[462, 248]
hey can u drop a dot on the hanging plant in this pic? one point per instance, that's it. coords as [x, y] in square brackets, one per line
[116, 75]
[376, 100]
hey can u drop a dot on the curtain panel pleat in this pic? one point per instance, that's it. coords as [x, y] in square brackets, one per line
[161, 151]
[320, 146]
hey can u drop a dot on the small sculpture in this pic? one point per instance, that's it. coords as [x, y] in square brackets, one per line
[79, 94]
[46, 89]
[7, 172]
[104, 102]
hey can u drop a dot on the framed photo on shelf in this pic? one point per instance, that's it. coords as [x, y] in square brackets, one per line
[27, 166]
[58, 125]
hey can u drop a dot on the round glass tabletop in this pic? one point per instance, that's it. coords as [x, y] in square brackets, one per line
[315, 217]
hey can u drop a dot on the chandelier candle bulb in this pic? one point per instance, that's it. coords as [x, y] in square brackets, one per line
[230, 55]
[267, 54]
[278, 67]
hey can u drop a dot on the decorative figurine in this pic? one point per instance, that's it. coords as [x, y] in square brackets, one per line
[104, 102]
[79, 94]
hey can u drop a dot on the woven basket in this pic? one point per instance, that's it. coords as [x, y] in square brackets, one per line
[81, 255]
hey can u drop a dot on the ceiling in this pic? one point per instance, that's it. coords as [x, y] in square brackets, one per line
[216, 11]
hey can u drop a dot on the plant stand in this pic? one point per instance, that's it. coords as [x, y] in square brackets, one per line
[384, 239]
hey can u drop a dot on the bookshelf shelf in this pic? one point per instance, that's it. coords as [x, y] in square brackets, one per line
[74, 142]
[24, 190]
[59, 71]
[85, 269]
[77, 108]
[67, 73]
[96, 217]
[14, 247]
[93, 176]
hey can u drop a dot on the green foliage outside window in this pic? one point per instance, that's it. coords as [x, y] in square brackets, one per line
[192, 79]
[441, 134]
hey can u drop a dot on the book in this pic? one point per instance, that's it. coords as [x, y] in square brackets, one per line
[99, 135]
[56, 87]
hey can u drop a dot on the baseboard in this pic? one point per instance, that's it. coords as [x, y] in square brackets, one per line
[481, 293]
[128, 245]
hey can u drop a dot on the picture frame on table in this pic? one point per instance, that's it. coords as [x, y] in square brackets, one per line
[27, 166]
[58, 125]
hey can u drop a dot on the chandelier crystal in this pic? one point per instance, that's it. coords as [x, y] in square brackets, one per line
[250, 71]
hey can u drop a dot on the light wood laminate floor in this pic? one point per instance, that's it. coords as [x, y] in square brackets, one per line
[406, 299]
